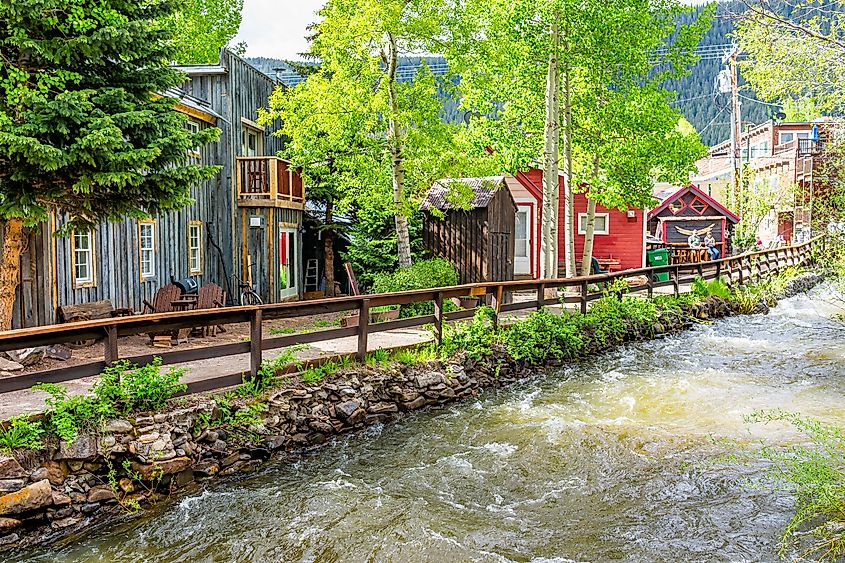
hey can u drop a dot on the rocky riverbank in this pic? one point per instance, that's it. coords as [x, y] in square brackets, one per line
[129, 463]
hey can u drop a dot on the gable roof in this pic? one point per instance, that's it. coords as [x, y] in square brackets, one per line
[484, 189]
[731, 216]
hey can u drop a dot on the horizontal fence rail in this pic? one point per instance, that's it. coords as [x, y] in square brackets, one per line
[741, 269]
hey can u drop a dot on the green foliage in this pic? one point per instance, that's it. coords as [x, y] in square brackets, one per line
[714, 288]
[424, 274]
[377, 358]
[84, 129]
[21, 433]
[414, 356]
[203, 27]
[543, 337]
[475, 338]
[121, 389]
[813, 473]
[282, 330]
[318, 373]
[266, 378]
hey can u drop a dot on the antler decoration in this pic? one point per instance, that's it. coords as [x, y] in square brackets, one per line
[690, 232]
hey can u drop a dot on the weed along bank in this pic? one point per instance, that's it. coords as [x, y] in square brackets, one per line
[133, 442]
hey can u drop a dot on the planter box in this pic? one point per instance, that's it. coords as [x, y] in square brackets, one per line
[384, 316]
[350, 321]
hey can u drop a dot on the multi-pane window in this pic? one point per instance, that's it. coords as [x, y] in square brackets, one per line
[194, 127]
[83, 258]
[601, 224]
[252, 141]
[146, 243]
[195, 247]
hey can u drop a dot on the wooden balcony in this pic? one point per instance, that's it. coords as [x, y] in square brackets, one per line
[269, 181]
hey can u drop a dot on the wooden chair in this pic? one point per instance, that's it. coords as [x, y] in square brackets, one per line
[211, 296]
[162, 303]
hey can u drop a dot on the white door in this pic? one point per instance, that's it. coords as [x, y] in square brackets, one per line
[288, 263]
[522, 246]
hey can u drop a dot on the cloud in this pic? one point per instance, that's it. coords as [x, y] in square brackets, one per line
[276, 28]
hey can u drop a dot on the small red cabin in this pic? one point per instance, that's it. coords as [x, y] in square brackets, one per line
[683, 220]
[619, 242]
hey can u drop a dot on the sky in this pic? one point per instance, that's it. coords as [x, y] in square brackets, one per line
[277, 28]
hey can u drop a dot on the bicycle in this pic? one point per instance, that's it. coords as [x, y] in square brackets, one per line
[246, 291]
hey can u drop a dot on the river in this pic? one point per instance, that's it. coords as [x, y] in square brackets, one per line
[608, 460]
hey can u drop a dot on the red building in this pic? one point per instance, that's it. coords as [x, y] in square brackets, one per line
[619, 242]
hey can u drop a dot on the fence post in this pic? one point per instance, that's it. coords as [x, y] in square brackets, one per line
[677, 281]
[438, 318]
[363, 328]
[498, 306]
[585, 288]
[541, 295]
[255, 342]
[110, 345]
[718, 269]
[650, 284]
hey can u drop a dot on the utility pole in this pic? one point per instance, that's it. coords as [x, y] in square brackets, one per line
[736, 120]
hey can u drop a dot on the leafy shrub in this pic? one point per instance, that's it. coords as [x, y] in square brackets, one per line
[714, 288]
[21, 433]
[425, 274]
[475, 337]
[318, 373]
[610, 318]
[544, 336]
[815, 476]
[266, 377]
[121, 389]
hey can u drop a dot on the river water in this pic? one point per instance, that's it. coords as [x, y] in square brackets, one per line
[609, 460]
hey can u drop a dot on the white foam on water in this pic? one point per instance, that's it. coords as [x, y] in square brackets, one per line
[500, 449]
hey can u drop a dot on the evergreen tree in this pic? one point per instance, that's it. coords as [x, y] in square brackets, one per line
[86, 128]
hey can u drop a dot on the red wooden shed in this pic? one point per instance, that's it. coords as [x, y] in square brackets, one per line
[619, 242]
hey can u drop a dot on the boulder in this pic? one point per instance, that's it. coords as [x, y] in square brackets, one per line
[58, 352]
[32, 497]
[383, 408]
[10, 365]
[423, 380]
[28, 356]
[100, 494]
[83, 448]
[157, 469]
[118, 426]
[347, 409]
[206, 468]
[10, 468]
[7, 524]
[9, 485]
[60, 499]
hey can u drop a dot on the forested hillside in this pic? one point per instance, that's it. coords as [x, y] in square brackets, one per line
[698, 100]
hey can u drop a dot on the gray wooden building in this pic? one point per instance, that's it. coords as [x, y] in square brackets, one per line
[246, 221]
[479, 241]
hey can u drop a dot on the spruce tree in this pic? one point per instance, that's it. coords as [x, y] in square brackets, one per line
[86, 126]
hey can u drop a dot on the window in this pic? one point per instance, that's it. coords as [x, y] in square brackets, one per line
[521, 247]
[147, 244]
[252, 141]
[786, 138]
[195, 247]
[83, 259]
[760, 149]
[601, 227]
[194, 127]
[698, 206]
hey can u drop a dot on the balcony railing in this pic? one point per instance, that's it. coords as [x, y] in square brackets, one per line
[269, 181]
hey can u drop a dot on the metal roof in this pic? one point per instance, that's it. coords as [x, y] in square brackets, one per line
[484, 189]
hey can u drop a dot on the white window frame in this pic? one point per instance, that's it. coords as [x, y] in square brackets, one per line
[781, 137]
[195, 250]
[194, 127]
[582, 221]
[88, 280]
[147, 245]
[525, 210]
[246, 131]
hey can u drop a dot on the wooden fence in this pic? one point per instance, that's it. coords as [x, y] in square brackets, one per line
[579, 290]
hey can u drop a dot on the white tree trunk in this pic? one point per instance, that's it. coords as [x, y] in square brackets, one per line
[397, 159]
[569, 215]
[590, 228]
[551, 155]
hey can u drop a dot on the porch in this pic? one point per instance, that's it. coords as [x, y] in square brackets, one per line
[269, 181]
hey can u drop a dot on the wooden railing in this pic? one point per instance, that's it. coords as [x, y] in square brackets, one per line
[268, 181]
[581, 290]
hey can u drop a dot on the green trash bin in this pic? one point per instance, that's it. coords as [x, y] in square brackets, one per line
[658, 257]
